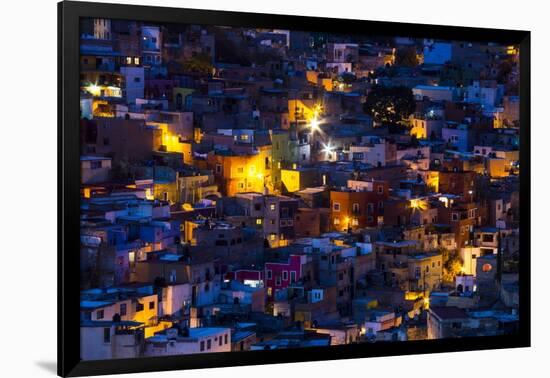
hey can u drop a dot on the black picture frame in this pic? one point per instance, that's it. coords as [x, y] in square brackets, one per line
[69, 13]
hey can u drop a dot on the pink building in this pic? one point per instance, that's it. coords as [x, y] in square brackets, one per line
[243, 275]
[279, 275]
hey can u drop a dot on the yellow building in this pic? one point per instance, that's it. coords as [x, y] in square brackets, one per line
[165, 191]
[290, 179]
[146, 312]
[418, 129]
[425, 272]
[242, 173]
[174, 143]
[296, 179]
[327, 83]
[302, 109]
[312, 76]
[431, 178]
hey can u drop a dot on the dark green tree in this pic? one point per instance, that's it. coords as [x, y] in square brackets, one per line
[389, 105]
[406, 57]
[200, 63]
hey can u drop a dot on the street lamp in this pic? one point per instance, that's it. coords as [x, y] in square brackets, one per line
[328, 149]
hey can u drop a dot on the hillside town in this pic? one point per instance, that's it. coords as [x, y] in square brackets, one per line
[257, 189]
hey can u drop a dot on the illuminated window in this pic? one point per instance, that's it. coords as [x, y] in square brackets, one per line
[355, 222]
[259, 221]
[272, 206]
[336, 221]
[136, 60]
[272, 236]
[128, 60]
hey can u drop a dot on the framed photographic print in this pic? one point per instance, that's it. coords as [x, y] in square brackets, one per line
[240, 188]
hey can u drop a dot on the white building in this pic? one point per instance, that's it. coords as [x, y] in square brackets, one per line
[176, 298]
[101, 340]
[134, 82]
[102, 28]
[486, 93]
[373, 150]
[151, 43]
[380, 321]
[434, 93]
[94, 169]
[198, 340]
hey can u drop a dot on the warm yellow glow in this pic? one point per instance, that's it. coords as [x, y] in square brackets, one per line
[413, 295]
[93, 89]
[259, 221]
[108, 91]
[318, 108]
[314, 125]
[418, 204]
[187, 207]
[148, 194]
[87, 193]
[290, 179]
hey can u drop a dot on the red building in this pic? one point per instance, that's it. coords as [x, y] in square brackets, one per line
[279, 275]
[243, 275]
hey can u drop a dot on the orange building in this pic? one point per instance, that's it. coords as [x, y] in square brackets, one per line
[357, 208]
[241, 173]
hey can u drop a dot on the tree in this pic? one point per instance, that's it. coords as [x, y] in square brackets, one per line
[200, 63]
[406, 57]
[504, 69]
[452, 265]
[390, 105]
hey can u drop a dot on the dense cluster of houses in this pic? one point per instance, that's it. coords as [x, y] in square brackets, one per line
[247, 189]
